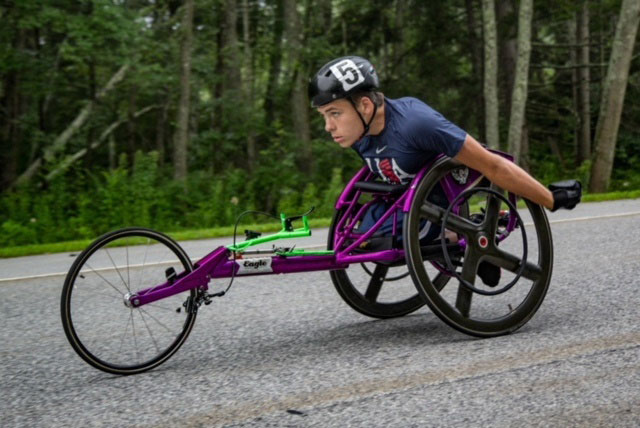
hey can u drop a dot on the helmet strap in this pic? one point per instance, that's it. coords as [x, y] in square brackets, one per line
[365, 124]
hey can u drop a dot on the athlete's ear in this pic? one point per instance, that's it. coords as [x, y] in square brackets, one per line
[366, 105]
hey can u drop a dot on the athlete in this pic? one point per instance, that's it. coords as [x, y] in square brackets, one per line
[397, 137]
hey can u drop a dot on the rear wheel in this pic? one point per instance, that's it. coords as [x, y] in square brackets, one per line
[473, 307]
[101, 328]
[375, 289]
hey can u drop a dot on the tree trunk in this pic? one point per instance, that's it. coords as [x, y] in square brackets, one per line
[248, 88]
[396, 65]
[161, 124]
[218, 84]
[230, 55]
[11, 135]
[490, 74]
[573, 63]
[131, 124]
[61, 141]
[508, 56]
[112, 153]
[181, 137]
[275, 64]
[525, 160]
[106, 134]
[521, 80]
[615, 86]
[476, 64]
[299, 97]
[583, 97]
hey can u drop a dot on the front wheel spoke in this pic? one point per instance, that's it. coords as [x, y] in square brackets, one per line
[144, 262]
[375, 284]
[135, 338]
[85, 298]
[124, 334]
[512, 263]
[149, 330]
[105, 280]
[128, 274]
[117, 270]
[156, 320]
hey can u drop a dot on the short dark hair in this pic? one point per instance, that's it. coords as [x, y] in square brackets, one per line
[376, 97]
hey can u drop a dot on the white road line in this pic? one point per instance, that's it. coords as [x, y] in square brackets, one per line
[47, 275]
[566, 220]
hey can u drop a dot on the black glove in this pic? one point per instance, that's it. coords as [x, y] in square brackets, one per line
[566, 194]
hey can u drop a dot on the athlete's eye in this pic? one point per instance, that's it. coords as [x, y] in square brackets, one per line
[335, 114]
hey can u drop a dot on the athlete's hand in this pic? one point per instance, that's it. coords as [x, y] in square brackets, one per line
[566, 194]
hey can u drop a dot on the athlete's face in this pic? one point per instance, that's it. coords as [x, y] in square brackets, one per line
[342, 121]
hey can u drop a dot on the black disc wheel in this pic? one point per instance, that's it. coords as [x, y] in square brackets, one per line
[375, 289]
[102, 329]
[499, 293]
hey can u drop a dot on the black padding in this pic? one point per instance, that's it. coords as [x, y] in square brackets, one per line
[376, 187]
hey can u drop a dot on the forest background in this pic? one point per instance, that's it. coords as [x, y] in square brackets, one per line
[180, 114]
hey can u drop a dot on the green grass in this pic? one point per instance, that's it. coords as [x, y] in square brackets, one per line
[183, 235]
[217, 232]
[612, 196]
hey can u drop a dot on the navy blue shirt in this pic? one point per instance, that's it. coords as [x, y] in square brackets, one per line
[413, 135]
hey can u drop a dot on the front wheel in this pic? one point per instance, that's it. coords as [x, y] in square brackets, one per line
[101, 328]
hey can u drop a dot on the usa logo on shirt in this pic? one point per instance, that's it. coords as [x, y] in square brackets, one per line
[388, 170]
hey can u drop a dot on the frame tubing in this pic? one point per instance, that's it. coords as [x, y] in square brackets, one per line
[341, 236]
[376, 226]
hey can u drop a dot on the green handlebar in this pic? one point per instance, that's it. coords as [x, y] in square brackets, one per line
[286, 232]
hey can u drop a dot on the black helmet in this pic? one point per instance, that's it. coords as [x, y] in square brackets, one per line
[340, 78]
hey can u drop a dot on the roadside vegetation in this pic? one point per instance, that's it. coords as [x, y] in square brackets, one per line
[179, 115]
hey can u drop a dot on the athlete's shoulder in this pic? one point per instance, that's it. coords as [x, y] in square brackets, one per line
[405, 104]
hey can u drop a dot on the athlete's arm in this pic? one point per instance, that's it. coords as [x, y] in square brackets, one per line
[503, 173]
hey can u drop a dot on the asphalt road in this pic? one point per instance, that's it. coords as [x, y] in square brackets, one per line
[287, 351]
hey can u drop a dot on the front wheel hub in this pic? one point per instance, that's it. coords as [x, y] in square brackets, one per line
[131, 300]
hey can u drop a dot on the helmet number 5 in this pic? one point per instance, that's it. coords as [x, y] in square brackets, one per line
[348, 73]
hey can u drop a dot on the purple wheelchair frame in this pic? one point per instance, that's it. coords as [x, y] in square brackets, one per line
[220, 263]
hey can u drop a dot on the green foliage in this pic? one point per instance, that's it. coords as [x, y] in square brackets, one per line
[14, 233]
[87, 204]
[330, 197]
[58, 54]
[583, 173]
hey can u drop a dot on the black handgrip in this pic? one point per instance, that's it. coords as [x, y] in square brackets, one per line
[566, 194]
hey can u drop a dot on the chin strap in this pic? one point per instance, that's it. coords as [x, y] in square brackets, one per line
[365, 124]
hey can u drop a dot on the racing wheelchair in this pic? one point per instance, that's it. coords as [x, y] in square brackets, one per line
[131, 298]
